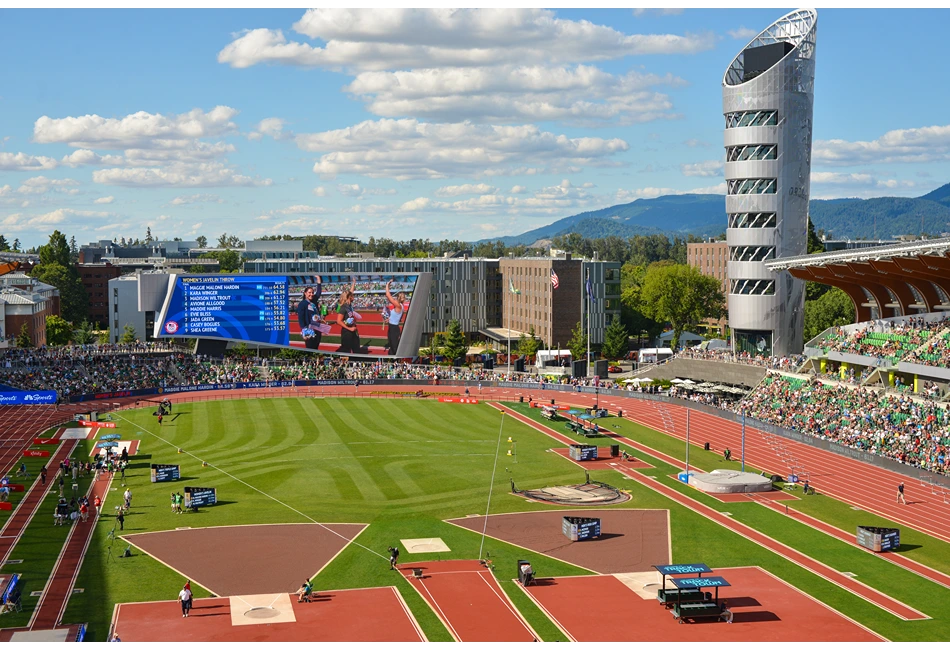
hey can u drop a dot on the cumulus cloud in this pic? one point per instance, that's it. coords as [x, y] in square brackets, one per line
[410, 149]
[140, 129]
[43, 185]
[581, 94]
[705, 168]
[319, 191]
[863, 181]
[302, 209]
[105, 199]
[518, 189]
[19, 222]
[272, 127]
[387, 39]
[626, 196]
[742, 34]
[196, 198]
[468, 188]
[555, 199]
[87, 157]
[349, 190]
[213, 174]
[916, 145]
[22, 162]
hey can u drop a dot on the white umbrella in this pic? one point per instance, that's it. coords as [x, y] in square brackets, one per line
[678, 381]
[687, 382]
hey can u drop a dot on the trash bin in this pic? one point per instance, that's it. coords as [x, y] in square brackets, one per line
[706, 446]
[614, 450]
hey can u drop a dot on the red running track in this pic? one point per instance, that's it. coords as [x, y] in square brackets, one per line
[466, 597]
[873, 596]
[872, 488]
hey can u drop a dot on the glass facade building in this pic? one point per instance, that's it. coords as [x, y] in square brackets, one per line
[767, 102]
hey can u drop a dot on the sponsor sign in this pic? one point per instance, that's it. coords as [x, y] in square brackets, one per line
[45, 441]
[102, 425]
[163, 473]
[36, 453]
[459, 400]
[28, 398]
[111, 436]
[196, 497]
[171, 390]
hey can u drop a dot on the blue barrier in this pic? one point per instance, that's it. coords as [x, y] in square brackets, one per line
[27, 398]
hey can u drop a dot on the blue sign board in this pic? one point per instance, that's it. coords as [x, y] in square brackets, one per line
[28, 398]
[111, 436]
[244, 307]
[693, 583]
[680, 569]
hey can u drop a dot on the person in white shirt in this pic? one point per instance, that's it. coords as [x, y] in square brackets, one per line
[184, 597]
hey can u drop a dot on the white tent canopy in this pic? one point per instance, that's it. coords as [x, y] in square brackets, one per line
[544, 356]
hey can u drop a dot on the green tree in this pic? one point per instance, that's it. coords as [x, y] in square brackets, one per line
[103, 338]
[528, 344]
[84, 334]
[16, 245]
[23, 339]
[455, 346]
[4, 246]
[631, 308]
[229, 241]
[229, 260]
[58, 331]
[578, 343]
[148, 235]
[814, 245]
[73, 250]
[202, 241]
[833, 309]
[196, 268]
[128, 335]
[56, 269]
[680, 295]
[615, 340]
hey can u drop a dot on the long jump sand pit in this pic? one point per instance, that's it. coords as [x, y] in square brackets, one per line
[631, 540]
[263, 559]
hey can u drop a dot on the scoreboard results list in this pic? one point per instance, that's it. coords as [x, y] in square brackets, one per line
[244, 307]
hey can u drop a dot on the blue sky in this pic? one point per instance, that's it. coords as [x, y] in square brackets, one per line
[427, 123]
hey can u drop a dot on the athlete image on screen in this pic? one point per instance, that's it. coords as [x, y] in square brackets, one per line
[346, 318]
[308, 315]
[392, 314]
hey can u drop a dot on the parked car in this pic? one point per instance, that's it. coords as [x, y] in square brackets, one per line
[614, 369]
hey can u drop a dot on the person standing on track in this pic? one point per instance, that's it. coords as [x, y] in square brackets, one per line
[393, 557]
[900, 493]
[43, 474]
[185, 598]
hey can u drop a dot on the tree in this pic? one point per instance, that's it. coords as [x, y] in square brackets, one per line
[16, 245]
[578, 343]
[528, 344]
[833, 309]
[128, 335]
[103, 338]
[228, 260]
[202, 241]
[73, 298]
[631, 309]
[615, 340]
[680, 295]
[4, 246]
[455, 346]
[83, 335]
[438, 342]
[56, 251]
[73, 250]
[58, 331]
[229, 241]
[196, 268]
[148, 235]
[814, 245]
[23, 339]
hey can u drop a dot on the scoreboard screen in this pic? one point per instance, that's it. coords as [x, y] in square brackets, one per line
[347, 314]
[196, 497]
[163, 473]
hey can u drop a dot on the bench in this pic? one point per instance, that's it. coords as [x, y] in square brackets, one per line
[670, 597]
[694, 611]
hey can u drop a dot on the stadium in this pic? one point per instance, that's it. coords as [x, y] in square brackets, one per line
[339, 488]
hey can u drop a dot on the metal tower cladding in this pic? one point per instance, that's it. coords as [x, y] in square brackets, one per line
[767, 100]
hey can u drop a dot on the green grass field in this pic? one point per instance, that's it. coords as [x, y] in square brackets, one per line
[403, 466]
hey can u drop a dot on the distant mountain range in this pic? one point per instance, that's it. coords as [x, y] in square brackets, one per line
[705, 215]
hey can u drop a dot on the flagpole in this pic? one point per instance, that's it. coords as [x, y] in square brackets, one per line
[510, 300]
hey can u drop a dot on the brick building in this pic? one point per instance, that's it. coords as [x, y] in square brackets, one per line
[95, 278]
[711, 258]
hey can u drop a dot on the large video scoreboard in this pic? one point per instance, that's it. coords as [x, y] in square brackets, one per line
[348, 314]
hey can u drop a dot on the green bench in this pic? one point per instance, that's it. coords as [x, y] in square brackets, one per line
[695, 611]
[670, 597]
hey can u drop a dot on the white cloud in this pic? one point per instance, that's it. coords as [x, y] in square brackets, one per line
[5, 190]
[705, 168]
[19, 222]
[211, 174]
[319, 191]
[580, 94]
[693, 142]
[518, 189]
[408, 149]
[556, 199]
[671, 11]
[87, 157]
[196, 198]
[626, 196]
[302, 209]
[388, 39]
[104, 199]
[468, 188]
[272, 127]
[22, 162]
[916, 145]
[142, 129]
[859, 184]
[742, 34]
[43, 185]
[349, 190]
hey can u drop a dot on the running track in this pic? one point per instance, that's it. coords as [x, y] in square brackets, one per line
[466, 597]
[882, 600]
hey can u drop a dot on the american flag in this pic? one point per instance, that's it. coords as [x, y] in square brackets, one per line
[554, 281]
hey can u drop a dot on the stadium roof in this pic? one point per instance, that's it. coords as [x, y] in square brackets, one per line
[895, 280]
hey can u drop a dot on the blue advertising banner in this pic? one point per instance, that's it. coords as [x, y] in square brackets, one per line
[172, 390]
[28, 398]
